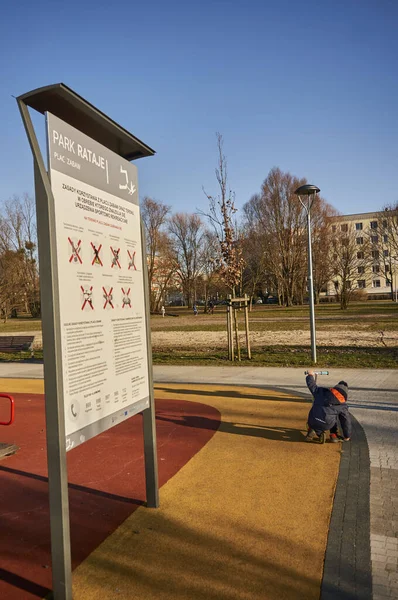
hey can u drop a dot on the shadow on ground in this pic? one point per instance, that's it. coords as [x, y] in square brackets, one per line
[284, 434]
[231, 393]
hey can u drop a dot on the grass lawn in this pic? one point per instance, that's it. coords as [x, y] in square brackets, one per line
[287, 356]
[18, 356]
[20, 324]
[372, 316]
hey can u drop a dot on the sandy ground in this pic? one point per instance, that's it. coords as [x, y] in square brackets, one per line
[357, 336]
[218, 339]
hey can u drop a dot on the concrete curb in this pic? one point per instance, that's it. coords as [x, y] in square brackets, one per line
[347, 571]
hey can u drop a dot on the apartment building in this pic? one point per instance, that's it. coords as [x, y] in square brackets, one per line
[374, 265]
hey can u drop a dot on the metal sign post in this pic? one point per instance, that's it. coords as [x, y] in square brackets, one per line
[97, 357]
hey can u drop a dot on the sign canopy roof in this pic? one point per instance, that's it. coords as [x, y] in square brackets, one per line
[63, 102]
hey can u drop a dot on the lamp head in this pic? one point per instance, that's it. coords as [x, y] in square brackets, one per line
[307, 190]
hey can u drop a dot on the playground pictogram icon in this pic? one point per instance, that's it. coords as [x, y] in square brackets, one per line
[126, 300]
[87, 297]
[76, 249]
[115, 258]
[96, 259]
[108, 297]
[131, 260]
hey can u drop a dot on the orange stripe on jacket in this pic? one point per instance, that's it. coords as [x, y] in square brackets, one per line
[337, 395]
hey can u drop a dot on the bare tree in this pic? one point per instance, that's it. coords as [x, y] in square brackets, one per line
[209, 277]
[391, 218]
[228, 260]
[276, 215]
[188, 249]
[388, 244]
[350, 261]
[18, 245]
[274, 218]
[14, 286]
[321, 212]
[164, 274]
[254, 272]
[154, 215]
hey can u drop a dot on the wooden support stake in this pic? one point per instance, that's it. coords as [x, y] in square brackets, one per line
[236, 333]
[231, 337]
[249, 355]
[229, 333]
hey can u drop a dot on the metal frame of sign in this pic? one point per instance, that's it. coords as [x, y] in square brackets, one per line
[77, 112]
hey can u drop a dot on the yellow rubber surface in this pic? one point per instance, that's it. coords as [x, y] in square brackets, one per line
[246, 518]
[21, 386]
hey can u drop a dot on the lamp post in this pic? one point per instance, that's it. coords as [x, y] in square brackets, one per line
[306, 194]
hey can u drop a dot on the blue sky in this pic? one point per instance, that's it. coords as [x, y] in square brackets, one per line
[308, 86]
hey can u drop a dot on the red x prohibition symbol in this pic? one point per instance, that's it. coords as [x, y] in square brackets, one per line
[126, 298]
[97, 258]
[132, 260]
[87, 295]
[108, 297]
[115, 259]
[75, 256]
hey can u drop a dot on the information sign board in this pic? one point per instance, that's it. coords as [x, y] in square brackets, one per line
[100, 282]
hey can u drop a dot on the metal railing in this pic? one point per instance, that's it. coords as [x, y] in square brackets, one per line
[12, 409]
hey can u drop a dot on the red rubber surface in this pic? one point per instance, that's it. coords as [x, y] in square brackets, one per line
[106, 484]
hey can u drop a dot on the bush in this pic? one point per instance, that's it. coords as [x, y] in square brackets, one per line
[379, 296]
[35, 309]
[327, 299]
[358, 296]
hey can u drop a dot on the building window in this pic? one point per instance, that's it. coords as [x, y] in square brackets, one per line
[385, 239]
[361, 283]
[376, 268]
[335, 257]
[376, 283]
[334, 228]
[358, 226]
[375, 254]
[361, 269]
[360, 255]
[385, 253]
[360, 240]
[344, 227]
[336, 285]
[385, 224]
[374, 239]
[373, 224]
[387, 268]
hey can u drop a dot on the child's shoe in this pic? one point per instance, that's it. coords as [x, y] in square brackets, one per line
[334, 438]
[310, 435]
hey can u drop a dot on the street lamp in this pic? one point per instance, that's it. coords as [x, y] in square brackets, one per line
[306, 194]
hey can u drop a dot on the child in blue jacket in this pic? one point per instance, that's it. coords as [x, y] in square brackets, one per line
[329, 408]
